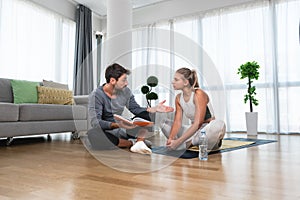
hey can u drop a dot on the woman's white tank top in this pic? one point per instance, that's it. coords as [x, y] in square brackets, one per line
[188, 107]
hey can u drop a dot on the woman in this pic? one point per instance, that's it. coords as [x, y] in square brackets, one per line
[191, 102]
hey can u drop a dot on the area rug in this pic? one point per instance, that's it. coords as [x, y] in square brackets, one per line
[228, 144]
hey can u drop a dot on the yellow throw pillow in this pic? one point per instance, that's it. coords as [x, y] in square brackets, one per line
[47, 95]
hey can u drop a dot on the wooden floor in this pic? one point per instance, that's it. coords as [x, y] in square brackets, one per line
[64, 169]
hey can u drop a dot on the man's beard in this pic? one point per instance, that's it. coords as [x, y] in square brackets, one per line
[117, 89]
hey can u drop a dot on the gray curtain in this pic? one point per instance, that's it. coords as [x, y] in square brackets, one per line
[83, 65]
[99, 48]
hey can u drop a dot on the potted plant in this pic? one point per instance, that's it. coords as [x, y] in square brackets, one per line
[152, 81]
[250, 71]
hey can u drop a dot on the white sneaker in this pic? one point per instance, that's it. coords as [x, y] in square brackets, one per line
[140, 147]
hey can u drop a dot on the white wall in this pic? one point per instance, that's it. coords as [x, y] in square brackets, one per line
[65, 8]
[154, 13]
[177, 8]
[68, 9]
[173, 9]
[96, 22]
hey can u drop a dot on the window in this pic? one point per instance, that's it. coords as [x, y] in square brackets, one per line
[263, 31]
[35, 43]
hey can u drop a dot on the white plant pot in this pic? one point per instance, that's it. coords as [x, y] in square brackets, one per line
[251, 122]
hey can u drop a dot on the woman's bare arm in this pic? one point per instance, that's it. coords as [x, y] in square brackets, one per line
[177, 119]
[200, 101]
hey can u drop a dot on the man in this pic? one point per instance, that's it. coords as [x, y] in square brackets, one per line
[111, 98]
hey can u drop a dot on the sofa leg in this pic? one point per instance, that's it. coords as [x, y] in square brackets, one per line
[9, 140]
[49, 138]
[75, 135]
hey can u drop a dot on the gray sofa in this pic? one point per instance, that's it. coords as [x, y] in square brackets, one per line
[33, 119]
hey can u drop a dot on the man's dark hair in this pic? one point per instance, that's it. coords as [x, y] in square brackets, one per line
[115, 71]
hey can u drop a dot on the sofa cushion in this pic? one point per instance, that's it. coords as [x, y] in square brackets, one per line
[12, 129]
[43, 112]
[81, 99]
[24, 91]
[55, 85]
[48, 95]
[9, 112]
[5, 91]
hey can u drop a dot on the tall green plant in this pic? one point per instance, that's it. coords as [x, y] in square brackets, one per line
[250, 71]
[152, 81]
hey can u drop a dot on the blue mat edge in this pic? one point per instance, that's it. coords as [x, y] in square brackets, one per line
[193, 154]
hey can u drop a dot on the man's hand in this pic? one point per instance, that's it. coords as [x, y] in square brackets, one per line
[126, 125]
[162, 108]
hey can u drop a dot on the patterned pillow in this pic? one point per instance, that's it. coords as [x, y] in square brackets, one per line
[48, 95]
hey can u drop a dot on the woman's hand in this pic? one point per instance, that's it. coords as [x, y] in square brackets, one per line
[172, 144]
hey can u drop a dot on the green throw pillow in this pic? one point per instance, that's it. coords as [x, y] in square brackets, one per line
[24, 91]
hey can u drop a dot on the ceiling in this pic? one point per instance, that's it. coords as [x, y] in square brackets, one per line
[99, 6]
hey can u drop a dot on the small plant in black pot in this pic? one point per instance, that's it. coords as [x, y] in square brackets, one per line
[152, 81]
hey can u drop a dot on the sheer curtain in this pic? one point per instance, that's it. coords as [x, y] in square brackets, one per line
[267, 32]
[189, 36]
[263, 31]
[288, 62]
[151, 57]
[232, 37]
[35, 43]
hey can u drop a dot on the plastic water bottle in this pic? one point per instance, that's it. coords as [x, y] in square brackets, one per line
[203, 143]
